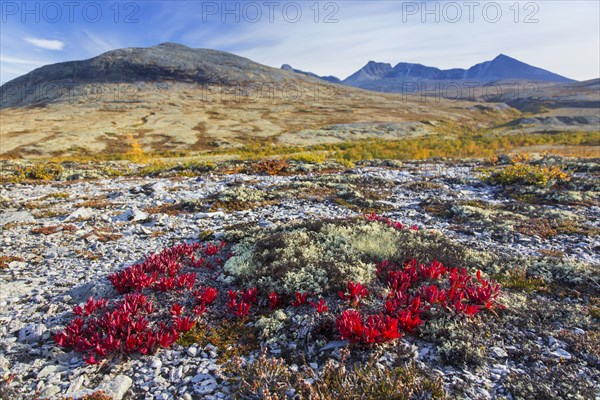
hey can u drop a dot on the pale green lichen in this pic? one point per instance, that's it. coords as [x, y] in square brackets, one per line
[242, 194]
[303, 259]
[320, 257]
[564, 270]
[270, 326]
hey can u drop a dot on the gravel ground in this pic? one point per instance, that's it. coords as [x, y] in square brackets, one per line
[104, 225]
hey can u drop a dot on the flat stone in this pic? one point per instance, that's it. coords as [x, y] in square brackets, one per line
[215, 214]
[76, 385]
[15, 217]
[81, 213]
[98, 289]
[48, 370]
[49, 391]
[31, 333]
[335, 345]
[499, 352]
[131, 215]
[206, 387]
[116, 387]
[201, 377]
[560, 353]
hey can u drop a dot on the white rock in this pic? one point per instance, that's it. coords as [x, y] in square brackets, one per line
[176, 374]
[17, 265]
[117, 387]
[76, 385]
[201, 377]
[48, 370]
[560, 353]
[4, 365]
[215, 214]
[81, 213]
[499, 352]
[95, 289]
[192, 351]
[49, 391]
[206, 387]
[158, 188]
[145, 231]
[32, 333]
[131, 215]
[335, 345]
[15, 216]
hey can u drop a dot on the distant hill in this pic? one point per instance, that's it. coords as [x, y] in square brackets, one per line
[167, 62]
[332, 79]
[383, 77]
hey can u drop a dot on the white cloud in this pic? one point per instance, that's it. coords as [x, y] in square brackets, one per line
[46, 43]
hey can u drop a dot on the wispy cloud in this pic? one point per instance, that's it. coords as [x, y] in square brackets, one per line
[47, 44]
[22, 61]
[95, 44]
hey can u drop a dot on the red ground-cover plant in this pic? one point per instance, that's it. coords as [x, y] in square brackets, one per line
[402, 298]
[274, 300]
[301, 299]
[239, 308]
[367, 330]
[124, 327]
[412, 291]
[206, 295]
[354, 294]
[249, 296]
[134, 323]
[389, 222]
[320, 306]
[159, 270]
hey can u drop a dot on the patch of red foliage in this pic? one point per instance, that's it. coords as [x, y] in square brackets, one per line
[354, 294]
[407, 295]
[133, 323]
[413, 290]
[301, 299]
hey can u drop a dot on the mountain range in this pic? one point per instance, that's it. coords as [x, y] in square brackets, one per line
[383, 77]
[172, 62]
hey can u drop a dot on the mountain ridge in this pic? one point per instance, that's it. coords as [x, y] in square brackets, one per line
[166, 62]
[502, 67]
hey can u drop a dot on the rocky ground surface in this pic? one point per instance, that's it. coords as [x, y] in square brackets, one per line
[61, 239]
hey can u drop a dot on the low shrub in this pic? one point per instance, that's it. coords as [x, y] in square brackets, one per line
[270, 167]
[43, 171]
[526, 174]
[272, 378]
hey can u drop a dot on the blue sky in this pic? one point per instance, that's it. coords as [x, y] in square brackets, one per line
[325, 37]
